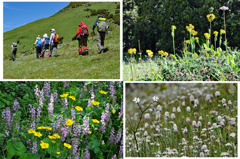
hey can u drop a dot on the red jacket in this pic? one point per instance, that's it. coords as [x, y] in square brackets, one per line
[80, 28]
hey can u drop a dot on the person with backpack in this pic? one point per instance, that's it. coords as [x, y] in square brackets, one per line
[14, 49]
[45, 43]
[82, 37]
[54, 39]
[102, 27]
[39, 46]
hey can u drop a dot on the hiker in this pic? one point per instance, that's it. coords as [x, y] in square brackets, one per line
[82, 37]
[38, 46]
[54, 39]
[102, 27]
[14, 49]
[45, 43]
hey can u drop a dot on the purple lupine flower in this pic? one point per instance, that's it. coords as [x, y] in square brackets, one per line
[15, 105]
[223, 8]
[121, 150]
[75, 148]
[73, 113]
[34, 148]
[77, 156]
[92, 95]
[38, 113]
[8, 117]
[85, 87]
[112, 90]
[104, 118]
[119, 82]
[86, 127]
[64, 133]
[111, 139]
[46, 89]
[66, 84]
[118, 137]
[18, 127]
[32, 111]
[55, 96]
[65, 103]
[121, 112]
[89, 103]
[41, 100]
[36, 90]
[7, 133]
[76, 130]
[50, 106]
[86, 154]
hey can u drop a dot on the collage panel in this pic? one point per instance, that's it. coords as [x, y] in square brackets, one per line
[61, 40]
[185, 40]
[181, 120]
[61, 120]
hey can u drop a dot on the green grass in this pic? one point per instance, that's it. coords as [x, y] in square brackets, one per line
[68, 65]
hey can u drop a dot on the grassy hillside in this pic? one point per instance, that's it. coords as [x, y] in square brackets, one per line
[68, 64]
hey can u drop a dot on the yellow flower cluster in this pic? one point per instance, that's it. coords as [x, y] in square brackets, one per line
[43, 127]
[64, 95]
[67, 145]
[193, 32]
[69, 122]
[58, 153]
[79, 108]
[44, 145]
[190, 27]
[222, 31]
[31, 131]
[187, 41]
[95, 103]
[114, 111]
[72, 97]
[132, 51]
[215, 33]
[55, 136]
[210, 17]
[150, 53]
[161, 52]
[173, 27]
[207, 35]
[197, 38]
[95, 121]
[38, 134]
[103, 92]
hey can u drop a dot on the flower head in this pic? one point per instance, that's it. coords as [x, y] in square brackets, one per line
[223, 8]
[38, 134]
[136, 100]
[150, 53]
[79, 108]
[67, 145]
[31, 131]
[95, 103]
[132, 51]
[215, 33]
[222, 31]
[64, 95]
[155, 98]
[41, 127]
[58, 153]
[103, 92]
[161, 52]
[210, 17]
[72, 97]
[173, 27]
[44, 145]
[69, 122]
[207, 35]
[193, 32]
[95, 121]
[114, 111]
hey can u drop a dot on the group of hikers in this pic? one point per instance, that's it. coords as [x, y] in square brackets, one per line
[42, 45]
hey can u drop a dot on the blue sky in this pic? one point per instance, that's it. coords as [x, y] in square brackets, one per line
[16, 14]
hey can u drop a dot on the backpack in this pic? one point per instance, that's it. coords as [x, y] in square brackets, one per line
[84, 33]
[39, 43]
[14, 44]
[102, 25]
[47, 40]
[56, 38]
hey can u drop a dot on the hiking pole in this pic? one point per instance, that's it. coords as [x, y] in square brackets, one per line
[92, 40]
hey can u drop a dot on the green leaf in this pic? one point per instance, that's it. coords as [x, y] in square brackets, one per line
[30, 155]
[11, 150]
[19, 146]
[94, 145]
[26, 96]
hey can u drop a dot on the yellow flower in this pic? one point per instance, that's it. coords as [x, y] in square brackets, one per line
[67, 145]
[201, 132]
[207, 35]
[51, 137]
[64, 95]
[58, 153]
[196, 38]
[187, 41]
[95, 103]
[79, 108]
[194, 32]
[139, 58]
[44, 145]
[38, 134]
[56, 136]
[69, 122]
[41, 127]
[53, 142]
[210, 17]
[114, 111]
[222, 31]
[150, 53]
[103, 92]
[89, 132]
[95, 121]
[165, 54]
[216, 33]
[190, 27]
[160, 52]
[72, 97]
[173, 27]
[48, 128]
[31, 131]
[130, 51]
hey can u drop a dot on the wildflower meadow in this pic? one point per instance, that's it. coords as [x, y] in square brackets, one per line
[203, 52]
[181, 120]
[72, 120]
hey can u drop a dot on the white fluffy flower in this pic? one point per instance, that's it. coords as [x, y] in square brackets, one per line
[185, 130]
[183, 103]
[178, 109]
[204, 147]
[233, 135]
[199, 124]
[174, 109]
[188, 109]
[136, 100]
[214, 126]
[219, 118]
[146, 125]
[200, 118]
[155, 98]
[217, 93]
[175, 127]
[159, 108]
[194, 124]
[209, 123]
[147, 116]
[145, 134]
[166, 114]
[188, 119]
[158, 115]
[172, 116]
[223, 101]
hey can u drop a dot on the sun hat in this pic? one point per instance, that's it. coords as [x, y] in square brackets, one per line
[45, 35]
[52, 30]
